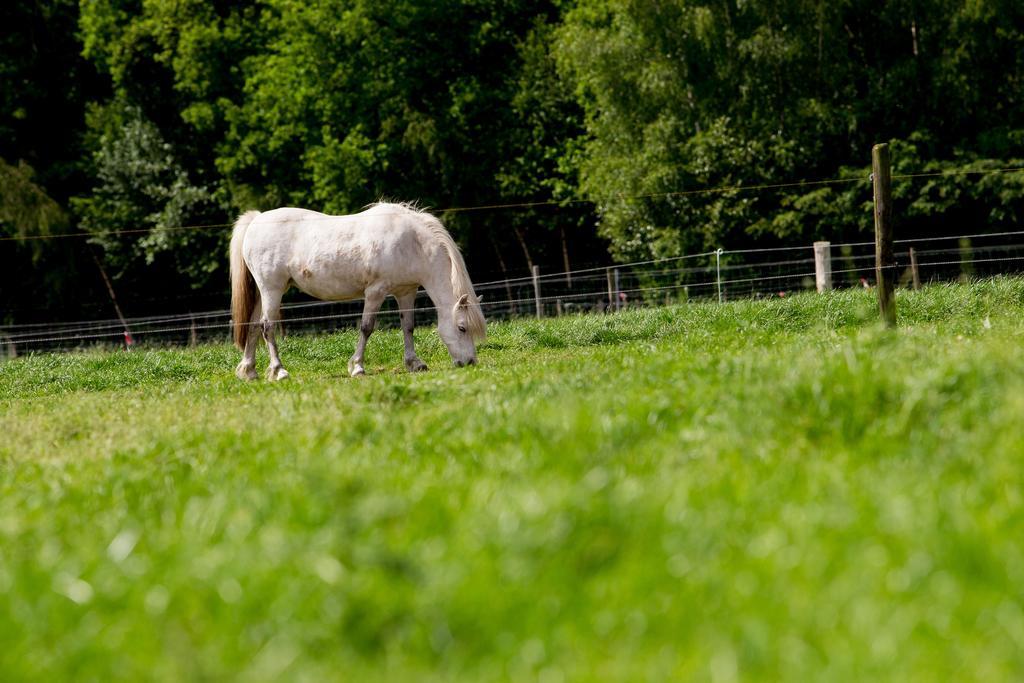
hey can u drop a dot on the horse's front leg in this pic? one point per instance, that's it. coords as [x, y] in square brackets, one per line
[407, 305]
[371, 304]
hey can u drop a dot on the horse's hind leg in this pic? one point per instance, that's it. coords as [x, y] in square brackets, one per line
[371, 304]
[247, 367]
[269, 320]
[407, 305]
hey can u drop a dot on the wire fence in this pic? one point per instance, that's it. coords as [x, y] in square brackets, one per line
[719, 275]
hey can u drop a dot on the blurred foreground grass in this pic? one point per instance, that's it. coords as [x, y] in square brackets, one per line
[758, 490]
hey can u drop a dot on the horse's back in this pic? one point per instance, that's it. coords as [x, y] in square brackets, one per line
[379, 221]
[336, 257]
[286, 220]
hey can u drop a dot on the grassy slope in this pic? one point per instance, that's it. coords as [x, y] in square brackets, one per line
[755, 490]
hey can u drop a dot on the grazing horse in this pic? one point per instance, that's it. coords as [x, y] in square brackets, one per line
[389, 249]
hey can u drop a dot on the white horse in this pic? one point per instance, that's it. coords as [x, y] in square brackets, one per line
[389, 249]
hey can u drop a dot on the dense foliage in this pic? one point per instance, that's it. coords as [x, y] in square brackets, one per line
[149, 114]
[689, 95]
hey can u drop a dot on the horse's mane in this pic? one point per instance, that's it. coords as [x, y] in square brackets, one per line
[461, 284]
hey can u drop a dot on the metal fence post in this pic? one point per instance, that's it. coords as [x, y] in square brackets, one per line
[718, 273]
[618, 292]
[611, 301]
[914, 270]
[536, 289]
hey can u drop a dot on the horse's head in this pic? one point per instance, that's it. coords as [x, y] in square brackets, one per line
[462, 329]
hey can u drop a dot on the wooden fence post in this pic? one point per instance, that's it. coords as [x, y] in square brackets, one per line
[536, 289]
[823, 266]
[885, 262]
[914, 270]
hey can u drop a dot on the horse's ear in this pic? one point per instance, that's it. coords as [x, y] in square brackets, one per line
[480, 299]
[463, 301]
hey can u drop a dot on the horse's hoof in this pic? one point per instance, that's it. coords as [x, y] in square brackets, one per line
[277, 374]
[246, 373]
[416, 365]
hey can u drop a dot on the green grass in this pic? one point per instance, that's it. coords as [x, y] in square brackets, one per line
[754, 491]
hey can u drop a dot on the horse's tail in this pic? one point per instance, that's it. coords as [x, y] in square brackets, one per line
[243, 287]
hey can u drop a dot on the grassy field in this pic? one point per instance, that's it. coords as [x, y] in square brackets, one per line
[752, 491]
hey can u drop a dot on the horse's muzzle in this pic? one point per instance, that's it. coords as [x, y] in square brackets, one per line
[462, 363]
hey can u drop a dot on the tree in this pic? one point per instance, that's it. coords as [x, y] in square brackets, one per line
[44, 87]
[544, 144]
[331, 106]
[145, 202]
[174, 71]
[686, 96]
[356, 101]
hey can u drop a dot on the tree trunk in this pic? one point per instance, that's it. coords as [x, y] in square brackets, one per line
[526, 249]
[128, 341]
